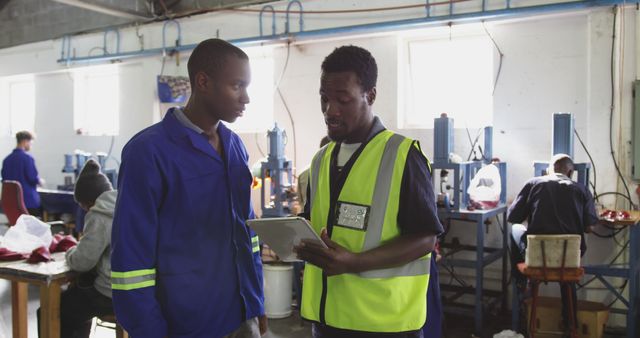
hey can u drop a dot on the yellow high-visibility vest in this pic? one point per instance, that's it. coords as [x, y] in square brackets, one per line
[365, 217]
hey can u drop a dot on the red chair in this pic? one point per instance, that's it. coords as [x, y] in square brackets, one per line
[13, 201]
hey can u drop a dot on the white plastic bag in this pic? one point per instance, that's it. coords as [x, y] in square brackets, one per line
[28, 234]
[486, 186]
[508, 334]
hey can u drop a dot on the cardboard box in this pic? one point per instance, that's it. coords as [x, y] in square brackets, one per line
[592, 317]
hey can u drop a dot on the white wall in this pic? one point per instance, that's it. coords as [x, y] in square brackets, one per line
[551, 64]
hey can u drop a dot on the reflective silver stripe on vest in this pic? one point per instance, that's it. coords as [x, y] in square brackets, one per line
[315, 174]
[132, 280]
[418, 267]
[377, 215]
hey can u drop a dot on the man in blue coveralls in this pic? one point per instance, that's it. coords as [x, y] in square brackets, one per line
[20, 166]
[184, 264]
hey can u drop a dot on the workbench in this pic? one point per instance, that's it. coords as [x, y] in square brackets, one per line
[483, 257]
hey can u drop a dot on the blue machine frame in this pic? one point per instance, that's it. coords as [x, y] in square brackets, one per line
[462, 175]
[562, 143]
[484, 255]
[443, 144]
[276, 167]
[583, 170]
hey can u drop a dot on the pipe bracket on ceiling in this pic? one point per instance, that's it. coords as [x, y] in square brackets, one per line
[65, 51]
[178, 42]
[493, 14]
[273, 19]
[104, 40]
[301, 20]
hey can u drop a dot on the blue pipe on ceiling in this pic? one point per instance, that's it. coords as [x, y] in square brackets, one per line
[498, 14]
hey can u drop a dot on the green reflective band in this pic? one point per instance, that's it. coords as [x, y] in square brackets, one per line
[255, 243]
[133, 286]
[135, 279]
[134, 273]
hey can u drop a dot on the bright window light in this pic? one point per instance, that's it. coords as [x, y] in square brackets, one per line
[22, 105]
[258, 116]
[96, 101]
[446, 76]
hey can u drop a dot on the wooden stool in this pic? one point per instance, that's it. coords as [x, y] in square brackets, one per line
[564, 276]
[120, 332]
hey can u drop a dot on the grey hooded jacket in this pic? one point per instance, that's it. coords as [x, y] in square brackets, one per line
[94, 248]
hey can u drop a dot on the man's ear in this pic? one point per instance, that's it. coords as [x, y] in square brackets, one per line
[371, 96]
[202, 81]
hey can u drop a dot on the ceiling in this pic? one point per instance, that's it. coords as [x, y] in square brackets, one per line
[25, 21]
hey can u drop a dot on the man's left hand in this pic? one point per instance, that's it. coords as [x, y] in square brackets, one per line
[262, 323]
[334, 260]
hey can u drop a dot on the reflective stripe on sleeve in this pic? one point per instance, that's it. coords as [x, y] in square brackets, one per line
[130, 280]
[255, 244]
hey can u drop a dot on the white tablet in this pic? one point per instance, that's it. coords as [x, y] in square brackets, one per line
[282, 233]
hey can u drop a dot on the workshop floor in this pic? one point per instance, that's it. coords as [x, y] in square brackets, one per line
[291, 327]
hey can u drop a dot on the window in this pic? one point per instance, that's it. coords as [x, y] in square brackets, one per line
[446, 76]
[96, 101]
[258, 115]
[19, 97]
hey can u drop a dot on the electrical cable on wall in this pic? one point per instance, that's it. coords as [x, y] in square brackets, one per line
[612, 108]
[286, 106]
[495, 82]
[258, 145]
[593, 164]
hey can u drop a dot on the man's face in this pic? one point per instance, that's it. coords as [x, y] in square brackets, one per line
[346, 107]
[226, 94]
[26, 144]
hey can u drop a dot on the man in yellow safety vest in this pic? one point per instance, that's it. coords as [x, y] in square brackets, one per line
[371, 200]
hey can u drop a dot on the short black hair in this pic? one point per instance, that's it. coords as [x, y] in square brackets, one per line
[23, 136]
[353, 59]
[563, 165]
[210, 57]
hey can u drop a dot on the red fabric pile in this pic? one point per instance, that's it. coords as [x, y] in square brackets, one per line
[59, 243]
[7, 255]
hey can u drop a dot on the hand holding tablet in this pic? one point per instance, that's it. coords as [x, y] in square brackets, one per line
[283, 233]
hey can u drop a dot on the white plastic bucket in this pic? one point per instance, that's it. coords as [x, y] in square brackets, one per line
[277, 290]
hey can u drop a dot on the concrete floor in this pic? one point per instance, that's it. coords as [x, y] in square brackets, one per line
[290, 327]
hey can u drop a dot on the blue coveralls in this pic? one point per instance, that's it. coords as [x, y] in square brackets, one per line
[184, 264]
[20, 166]
[433, 326]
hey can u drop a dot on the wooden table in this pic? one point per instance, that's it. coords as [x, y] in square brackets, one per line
[56, 202]
[630, 272]
[49, 276]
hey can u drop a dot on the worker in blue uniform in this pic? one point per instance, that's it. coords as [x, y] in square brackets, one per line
[20, 166]
[184, 264]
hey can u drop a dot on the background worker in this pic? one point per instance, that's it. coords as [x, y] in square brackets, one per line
[20, 166]
[552, 205]
[90, 294]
